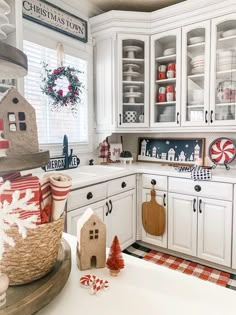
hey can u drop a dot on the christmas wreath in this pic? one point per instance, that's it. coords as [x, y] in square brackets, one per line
[59, 98]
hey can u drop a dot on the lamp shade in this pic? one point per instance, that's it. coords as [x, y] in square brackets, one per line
[13, 62]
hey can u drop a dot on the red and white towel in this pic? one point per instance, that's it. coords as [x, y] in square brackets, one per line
[22, 184]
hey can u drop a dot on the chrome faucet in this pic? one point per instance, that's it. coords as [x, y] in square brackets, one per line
[68, 158]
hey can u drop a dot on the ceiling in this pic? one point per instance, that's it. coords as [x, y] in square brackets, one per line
[133, 5]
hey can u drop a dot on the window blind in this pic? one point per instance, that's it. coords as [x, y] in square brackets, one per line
[53, 125]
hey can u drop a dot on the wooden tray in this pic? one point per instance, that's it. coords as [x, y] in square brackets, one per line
[22, 162]
[29, 298]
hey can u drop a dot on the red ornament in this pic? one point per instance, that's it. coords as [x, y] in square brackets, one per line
[50, 88]
[55, 71]
[70, 87]
[115, 260]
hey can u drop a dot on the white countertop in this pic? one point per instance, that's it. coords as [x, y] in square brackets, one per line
[141, 288]
[89, 175]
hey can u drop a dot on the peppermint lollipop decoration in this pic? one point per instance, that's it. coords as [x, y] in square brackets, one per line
[222, 152]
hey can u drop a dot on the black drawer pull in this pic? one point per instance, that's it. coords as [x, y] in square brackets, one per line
[164, 200]
[197, 188]
[123, 185]
[206, 116]
[153, 182]
[194, 205]
[200, 206]
[107, 209]
[110, 210]
[89, 195]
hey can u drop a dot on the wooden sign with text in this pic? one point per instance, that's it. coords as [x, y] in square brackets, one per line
[51, 16]
[58, 163]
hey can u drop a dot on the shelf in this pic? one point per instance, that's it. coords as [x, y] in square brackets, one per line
[132, 60]
[195, 106]
[171, 80]
[226, 71]
[167, 58]
[133, 104]
[133, 82]
[22, 162]
[226, 104]
[196, 45]
[166, 103]
[196, 76]
[226, 38]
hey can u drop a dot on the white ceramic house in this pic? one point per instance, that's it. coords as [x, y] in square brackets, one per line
[91, 241]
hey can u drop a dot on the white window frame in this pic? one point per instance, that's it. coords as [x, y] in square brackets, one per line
[45, 37]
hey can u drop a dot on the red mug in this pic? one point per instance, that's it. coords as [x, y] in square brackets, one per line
[170, 88]
[171, 66]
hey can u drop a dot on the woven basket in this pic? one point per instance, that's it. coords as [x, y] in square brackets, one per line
[32, 257]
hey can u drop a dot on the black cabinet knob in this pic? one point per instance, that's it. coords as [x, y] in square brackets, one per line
[89, 195]
[123, 185]
[153, 182]
[197, 188]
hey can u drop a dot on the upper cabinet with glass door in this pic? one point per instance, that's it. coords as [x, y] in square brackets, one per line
[133, 83]
[165, 78]
[223, 71]
[195, 75]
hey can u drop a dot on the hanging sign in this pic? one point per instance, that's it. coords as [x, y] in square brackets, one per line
[51, 16]
[59, 163]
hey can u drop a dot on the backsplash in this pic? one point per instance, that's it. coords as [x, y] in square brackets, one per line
[130, 141]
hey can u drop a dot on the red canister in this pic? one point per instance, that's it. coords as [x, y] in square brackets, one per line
[162, 94]
[170, 93]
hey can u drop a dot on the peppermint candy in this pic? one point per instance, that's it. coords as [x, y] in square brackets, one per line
[94, 283]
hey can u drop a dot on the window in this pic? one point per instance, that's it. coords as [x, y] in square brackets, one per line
[53, 125]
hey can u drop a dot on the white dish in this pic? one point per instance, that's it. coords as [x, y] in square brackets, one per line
[226, 67]
[229, 33]
[131, 50]
[196, 40]
[131, 88]
[225, 53]
[198, 58]
[131, 66]
[169, 51]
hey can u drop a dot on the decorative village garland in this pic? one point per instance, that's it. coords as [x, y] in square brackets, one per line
[59, 99]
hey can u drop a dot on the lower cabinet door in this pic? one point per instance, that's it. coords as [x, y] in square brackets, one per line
[99, 208]
[161, 198]
[214, 230]
[182, 223]
[122, 218]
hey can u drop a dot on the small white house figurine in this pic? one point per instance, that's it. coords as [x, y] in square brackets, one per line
[91, 241]
[19, 120]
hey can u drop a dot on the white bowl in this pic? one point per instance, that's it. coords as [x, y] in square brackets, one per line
[196, 40]
[169, 51]
[229, 33]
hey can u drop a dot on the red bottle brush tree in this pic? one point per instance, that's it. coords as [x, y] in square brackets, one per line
[115, 260]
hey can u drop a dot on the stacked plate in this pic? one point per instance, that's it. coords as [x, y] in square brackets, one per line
[198, 64]
[226, 59]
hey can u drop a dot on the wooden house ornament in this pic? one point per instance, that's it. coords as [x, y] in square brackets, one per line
[20, 127]
[91, 241]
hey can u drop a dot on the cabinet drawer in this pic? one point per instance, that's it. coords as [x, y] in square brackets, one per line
[161, 181]
[201, 188]
[119, 185]
[86, 196]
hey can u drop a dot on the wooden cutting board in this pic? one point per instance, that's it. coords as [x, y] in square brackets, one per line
[153, 216]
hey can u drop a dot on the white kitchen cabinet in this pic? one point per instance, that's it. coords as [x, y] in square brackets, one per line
[133, 83]
[165, 78]
[161, 198]
[104, 73]
[115, 205]
[182, 223]
[223, 70]
[195, 74]
[200, 227]
[121, 219]
[214, 230]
